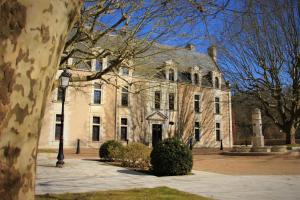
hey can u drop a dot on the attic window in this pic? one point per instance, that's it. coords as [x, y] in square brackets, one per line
[196, 79]
[217, 82]
[171, 75]
[125, 71]
[98, 65]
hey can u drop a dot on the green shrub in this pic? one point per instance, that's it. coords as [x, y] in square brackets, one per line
[171, 157]
[108, 149]
[136, 155]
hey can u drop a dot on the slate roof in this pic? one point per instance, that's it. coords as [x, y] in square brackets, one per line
[153, 58]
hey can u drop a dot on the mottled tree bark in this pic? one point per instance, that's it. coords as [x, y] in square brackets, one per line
[32, 37]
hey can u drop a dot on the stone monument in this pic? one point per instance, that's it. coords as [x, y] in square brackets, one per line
[257, 138]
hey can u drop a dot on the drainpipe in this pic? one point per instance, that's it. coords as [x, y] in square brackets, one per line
[116, 99]
[230, 119]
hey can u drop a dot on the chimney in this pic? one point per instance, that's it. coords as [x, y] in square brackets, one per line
[190, 47]
[212, 52]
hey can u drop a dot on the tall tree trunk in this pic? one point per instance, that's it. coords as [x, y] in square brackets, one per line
[291, 135]
[32, 36]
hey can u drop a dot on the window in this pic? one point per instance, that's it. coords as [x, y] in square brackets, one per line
[97, 94]
[197, 103]
[58, 126]
[171, 74]
[124, 128]
[217, 105]
[217, 83]
[218, 132]
[196, 79]
[125, 96]
[171, 101]
[60, 94]
[157, 100]
[125, 71]
[96, 129]
[98, 66]
[197, 131]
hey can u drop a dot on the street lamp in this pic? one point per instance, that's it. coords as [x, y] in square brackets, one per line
[64, 79]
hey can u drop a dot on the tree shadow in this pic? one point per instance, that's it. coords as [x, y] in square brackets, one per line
[134, 172]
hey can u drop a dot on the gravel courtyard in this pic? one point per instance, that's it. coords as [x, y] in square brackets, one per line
[81, 175]
[248, 165]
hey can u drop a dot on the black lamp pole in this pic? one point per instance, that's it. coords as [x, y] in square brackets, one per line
[64, 82]
[60, 156]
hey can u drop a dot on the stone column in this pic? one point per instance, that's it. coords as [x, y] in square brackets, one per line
[258, 138]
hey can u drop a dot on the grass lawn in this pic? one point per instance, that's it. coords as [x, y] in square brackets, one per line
[134, 194]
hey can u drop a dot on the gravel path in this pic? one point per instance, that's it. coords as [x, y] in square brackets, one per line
[90, 175]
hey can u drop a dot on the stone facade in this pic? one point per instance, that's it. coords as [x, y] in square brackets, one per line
[188, 101]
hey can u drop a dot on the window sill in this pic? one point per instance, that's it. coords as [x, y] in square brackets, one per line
[95, 104]
[60, 102]
[124, 106]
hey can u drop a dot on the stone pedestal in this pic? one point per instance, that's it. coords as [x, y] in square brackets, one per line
[258, 141]
[258, 138]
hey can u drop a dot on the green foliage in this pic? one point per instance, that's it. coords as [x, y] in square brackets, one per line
[109, 149]
[136, 155]
[171, 157]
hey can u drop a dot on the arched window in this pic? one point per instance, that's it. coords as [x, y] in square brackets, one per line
[217, 83]
[171, 74]
[196, 79]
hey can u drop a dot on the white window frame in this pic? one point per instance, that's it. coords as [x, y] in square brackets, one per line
[122, 71]
[219, 82]
[218, 129]
[174, 101]
[94, 66]
[126, 126]
[128, 96]
[215, 105]
[160, 100]
[92, 128]
[197, 128]
[199, 102]
[93, 94]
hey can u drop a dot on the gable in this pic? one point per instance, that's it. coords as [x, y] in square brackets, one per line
[157, 116]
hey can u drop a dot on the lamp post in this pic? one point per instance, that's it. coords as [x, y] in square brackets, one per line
[64, 79]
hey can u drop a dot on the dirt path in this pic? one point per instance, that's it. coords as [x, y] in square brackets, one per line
[248, 165]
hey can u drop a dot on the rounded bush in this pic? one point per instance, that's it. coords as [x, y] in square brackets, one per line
[107, 147]
[171, 157]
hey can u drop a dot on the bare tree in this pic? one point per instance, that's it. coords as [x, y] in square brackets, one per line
[262, 59]
[138, 25]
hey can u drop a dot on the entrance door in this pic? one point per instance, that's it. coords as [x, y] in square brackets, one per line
[156, 134]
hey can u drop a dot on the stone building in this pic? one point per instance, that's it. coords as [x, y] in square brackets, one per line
[174, 92]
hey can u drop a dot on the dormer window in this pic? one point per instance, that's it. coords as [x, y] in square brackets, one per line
[125, 71]
[171, 75]
[196, 79]
[217, 82]
[98, 66]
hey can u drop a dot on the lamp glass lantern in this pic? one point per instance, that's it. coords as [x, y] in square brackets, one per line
[64, 79]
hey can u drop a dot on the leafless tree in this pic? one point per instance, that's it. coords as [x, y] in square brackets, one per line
[262, 59]
[138, 25]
